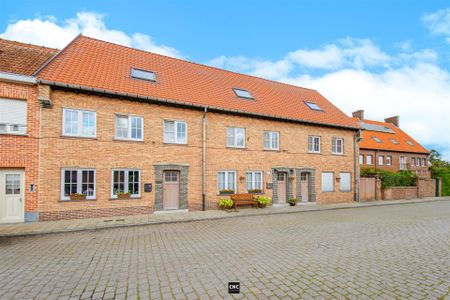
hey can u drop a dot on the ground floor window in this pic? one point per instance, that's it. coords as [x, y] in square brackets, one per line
[327, 181]
[226, 181]
[126, 181]
[78, 181]
[345, 182]
[254, 181]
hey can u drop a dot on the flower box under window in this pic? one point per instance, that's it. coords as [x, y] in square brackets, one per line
[77, 197]
[226, 192]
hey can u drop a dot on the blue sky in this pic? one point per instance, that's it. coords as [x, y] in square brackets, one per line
[387, 57]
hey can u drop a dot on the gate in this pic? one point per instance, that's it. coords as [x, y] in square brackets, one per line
[367, 188]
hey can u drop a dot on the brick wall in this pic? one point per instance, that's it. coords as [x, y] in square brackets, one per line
[425, 188]
[21, 152]
[104, 153]
[422, 170]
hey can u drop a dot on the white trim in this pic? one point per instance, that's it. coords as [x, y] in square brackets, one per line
[17, 78]
[313, 137]
[80, 122]
[226, 180]
[79, 182]
[271, 132]
[235, 137]
[390, 160]
[332, 182]
[128, 138]
[335, 139]
[21, 173]
[349, 182]
[175, 132]
[126, 178]
[253, 179]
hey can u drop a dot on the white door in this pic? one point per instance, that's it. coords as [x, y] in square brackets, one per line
[11, 196]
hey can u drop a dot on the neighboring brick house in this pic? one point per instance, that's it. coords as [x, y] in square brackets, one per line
[19, 129]
[176, 135]
[385, 146]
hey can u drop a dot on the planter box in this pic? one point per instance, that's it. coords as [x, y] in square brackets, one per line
[123, 196]
[77, 197]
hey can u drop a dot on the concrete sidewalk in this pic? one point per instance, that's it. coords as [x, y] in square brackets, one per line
[25, 229]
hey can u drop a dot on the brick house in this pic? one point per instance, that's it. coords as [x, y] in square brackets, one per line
[19, 129]
[385, 146]
[126, 131]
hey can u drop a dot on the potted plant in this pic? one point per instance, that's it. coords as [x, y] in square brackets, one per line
[255, 191]
[262, 201]
[123, 195]
[225, 203]
[226, 192]
[77, 196]
[292, 201]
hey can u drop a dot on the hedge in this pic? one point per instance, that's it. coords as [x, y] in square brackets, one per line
[391, 179]
[444, 174]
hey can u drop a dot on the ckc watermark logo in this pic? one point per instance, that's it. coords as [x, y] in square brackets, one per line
[234, 287]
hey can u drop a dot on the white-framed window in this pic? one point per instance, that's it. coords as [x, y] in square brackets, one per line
[345, 182]
[424, 162]
[271, 140]
[388, 160]
[413, 161]
[418, 159]
[361, 159]
[368, 159]
[126, 181]
[314, 144]
[337, 146]
[236, 137]
[380, 160]
[175, 132]
[327, 182]
[129, 128]
[254, 180]
[77, 181]
[13, 116]
[81, 123]
[226, 180]
[402, 163]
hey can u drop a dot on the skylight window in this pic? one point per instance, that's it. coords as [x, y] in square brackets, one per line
[242, 93]
[143, 74]
[313, 106]
[410, 143]
[376, 139]
[394, 141]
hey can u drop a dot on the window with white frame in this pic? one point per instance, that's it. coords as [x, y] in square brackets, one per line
[236, 137]
[380, 160]
[345, 182]
[175, 132]
[424, 162]
[81, 123]
[402, 163]
[388, 160]
[271, 140]
[126, 181]
[413, 161]
[129, 127]
[327, 181]
[314, 144]
[337, 146]
[254, 181]
[226, 181]
[361, 159]
[368, 159]
[13, 116]
[77, 181]
[418, 161]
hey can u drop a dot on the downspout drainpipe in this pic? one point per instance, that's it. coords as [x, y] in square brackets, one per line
[204, 159]
[356, 164]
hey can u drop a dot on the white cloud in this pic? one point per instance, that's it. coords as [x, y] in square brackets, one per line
[438, 22]
[47, 32]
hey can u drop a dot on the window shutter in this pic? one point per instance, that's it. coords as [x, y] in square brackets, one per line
[327, 182]
[345, 182]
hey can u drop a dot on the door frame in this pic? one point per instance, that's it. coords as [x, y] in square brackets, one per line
[179, 187]
[159, 169]
[311, 183]
[288, 171]
[22, 188]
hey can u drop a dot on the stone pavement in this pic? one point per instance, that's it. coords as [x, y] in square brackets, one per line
[20, 229]
[375, 252]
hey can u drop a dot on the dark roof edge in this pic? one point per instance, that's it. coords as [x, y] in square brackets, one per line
[186, 104]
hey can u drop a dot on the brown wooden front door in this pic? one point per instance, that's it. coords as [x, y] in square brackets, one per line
[281, 181]
[171, 190]
[304, 186]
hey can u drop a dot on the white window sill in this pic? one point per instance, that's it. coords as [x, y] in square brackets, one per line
[79, 136]
[14, 133]
[174, 143]
[334, 153]
[314, 152]
[273, 150]
[128, 140]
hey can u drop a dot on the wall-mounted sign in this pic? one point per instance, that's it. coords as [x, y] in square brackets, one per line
[148, 187]
[269, 185]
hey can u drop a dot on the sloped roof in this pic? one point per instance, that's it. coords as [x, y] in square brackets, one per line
[91, 63]
[23, 59]
[385, 132]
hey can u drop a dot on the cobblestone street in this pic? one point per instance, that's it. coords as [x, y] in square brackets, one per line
[398, 251]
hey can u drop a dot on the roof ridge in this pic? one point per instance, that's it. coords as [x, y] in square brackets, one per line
[198, 64]
[29, 44]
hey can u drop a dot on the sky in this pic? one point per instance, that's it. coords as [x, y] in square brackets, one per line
[386, 57]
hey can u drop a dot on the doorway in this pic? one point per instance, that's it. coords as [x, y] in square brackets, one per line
[171, 190]
[12, 196]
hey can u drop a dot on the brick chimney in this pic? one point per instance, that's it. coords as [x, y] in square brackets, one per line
[393, 120]
[359, 114]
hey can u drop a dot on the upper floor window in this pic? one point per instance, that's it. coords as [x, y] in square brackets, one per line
[424, 162]
[413, 161]
[418, 160]
[313, 106]
[337, 146]
[314, 144]
[271, 140]
[380, 160]
[143, 74]
[236, 137]
[129, 127]
[361, 159]
[376, 139]
[388, 160]
[402, 163]
[127, 182]
[394, 141]
[368, 159]
[13, 116]
[80, 123]
[175, 132]
[254, 181]
[243, 93]
[77, 181]
[410, 143]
